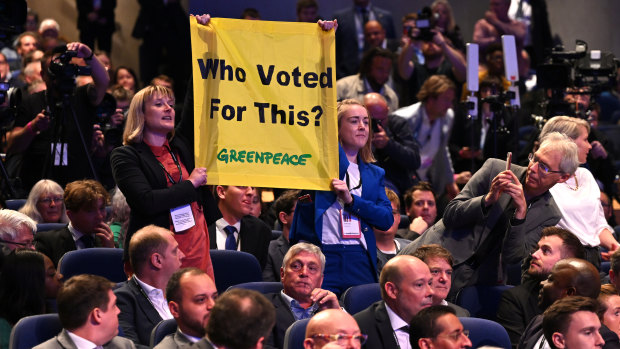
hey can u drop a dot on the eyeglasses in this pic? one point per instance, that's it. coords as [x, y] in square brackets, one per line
[541, 165]
[455, 335]
[23, 244]
[48, 201]
[342, 339]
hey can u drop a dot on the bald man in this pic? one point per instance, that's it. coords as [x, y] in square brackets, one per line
[405, 290]
[324, 326]
[393, 144]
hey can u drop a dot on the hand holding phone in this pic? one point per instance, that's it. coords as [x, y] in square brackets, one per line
[508, 161]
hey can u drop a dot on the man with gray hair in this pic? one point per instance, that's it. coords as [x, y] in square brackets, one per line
[16, 231]
[302, 295]
[502, 209]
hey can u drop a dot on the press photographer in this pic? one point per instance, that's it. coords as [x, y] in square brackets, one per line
[54, 128]
[440, 58]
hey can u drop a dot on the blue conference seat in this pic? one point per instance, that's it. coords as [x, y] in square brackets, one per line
[263, 287]
[31, 331]
[295, 335]
[485, 332]
[161, 330]
[233, 268]
[106, 262]
[358, 298]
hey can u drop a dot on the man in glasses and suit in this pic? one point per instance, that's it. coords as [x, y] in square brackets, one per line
[502, 209]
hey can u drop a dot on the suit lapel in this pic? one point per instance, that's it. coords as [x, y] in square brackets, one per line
[65, 341]
[143, 303]
[384, 327]
[68, 244]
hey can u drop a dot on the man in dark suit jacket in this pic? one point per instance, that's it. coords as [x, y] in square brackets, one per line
[240, 319]
[237, 230]
[284, 208]
[350, 34]
[154, 255]
[569, 277]
[301, 296]
[85, 201]
[405, 290]
[519, 305]
[191, 295]
[82, 320]
[499, 208]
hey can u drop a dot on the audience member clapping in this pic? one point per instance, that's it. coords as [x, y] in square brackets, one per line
[119, 220]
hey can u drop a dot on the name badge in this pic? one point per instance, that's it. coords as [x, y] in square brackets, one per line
[59, 151]
[182, 218]
[351, 226]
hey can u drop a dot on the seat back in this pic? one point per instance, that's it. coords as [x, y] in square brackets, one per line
[31, 331]
[295, 334]
[50, 226]
[358, 298]
[263, 287]
[106, 262]
[233, 268]
[15, 204]
[161, 330]
[485, 332]
[481, 301]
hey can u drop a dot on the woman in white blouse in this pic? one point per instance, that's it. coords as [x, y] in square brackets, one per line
[579, 197]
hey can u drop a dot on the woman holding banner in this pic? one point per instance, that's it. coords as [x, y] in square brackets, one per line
[340, 221]
[155, 171]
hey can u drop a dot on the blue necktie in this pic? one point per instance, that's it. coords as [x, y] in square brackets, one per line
[231, 242]
[88, 241]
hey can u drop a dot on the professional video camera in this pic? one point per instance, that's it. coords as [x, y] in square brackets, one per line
[63, 72]
[580, 71]
[425, 22]
[10, 98]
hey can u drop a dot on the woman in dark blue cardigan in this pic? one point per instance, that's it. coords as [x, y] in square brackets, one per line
[340, 221]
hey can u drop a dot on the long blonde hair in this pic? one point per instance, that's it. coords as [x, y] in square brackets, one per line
[134, 127]
[43, 187]
[366, 152]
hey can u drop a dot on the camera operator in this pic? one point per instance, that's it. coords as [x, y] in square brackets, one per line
[44, 122]
[440, 58]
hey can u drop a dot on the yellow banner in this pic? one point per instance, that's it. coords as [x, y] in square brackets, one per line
[265, 103]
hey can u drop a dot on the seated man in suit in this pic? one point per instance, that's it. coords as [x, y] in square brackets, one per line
[284, 207]
[301, 296]
[405, 290]
[500, 207]
[85, 201]
[154, 255]
[333, 328]
[573, 323]
[89, 316]
[519, 304]
[237, 230]
[191, 295]
[421, 207]
[569, 277]
[437, 327]
[240, 319]
[439, 261]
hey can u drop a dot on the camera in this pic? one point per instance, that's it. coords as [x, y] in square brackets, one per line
[425, 23]
[10, 98]
[592, 71]
[113, 134]
[63, 72]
